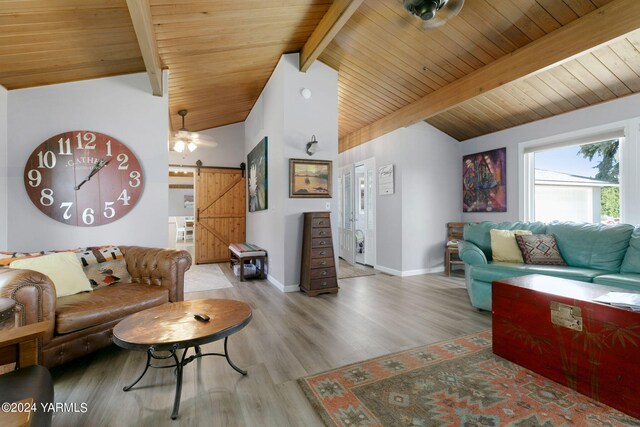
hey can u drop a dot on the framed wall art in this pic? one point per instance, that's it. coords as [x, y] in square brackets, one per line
[310, 178]
[385, 180]
[484, 181]
[258, 182]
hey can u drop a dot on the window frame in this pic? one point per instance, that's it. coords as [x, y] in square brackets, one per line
[526, 161]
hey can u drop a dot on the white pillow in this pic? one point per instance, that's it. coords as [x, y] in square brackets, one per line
[64, 269]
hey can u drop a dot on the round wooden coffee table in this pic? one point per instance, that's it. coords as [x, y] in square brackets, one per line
[162, 331]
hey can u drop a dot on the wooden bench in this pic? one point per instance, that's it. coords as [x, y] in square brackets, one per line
[242, 252]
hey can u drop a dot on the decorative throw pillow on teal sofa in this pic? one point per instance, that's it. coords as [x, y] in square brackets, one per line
[480, 234]
[540, 249]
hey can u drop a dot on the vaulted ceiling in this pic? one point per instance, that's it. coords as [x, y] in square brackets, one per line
[497, 64]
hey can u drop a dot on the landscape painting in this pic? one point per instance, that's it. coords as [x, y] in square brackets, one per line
[188, 201]
[309, 178]
[258, 182]
[484, 181]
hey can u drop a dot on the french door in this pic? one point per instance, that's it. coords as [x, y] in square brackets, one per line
[368, 226]
[346, 227]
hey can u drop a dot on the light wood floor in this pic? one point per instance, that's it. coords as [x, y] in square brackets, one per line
[290, 336]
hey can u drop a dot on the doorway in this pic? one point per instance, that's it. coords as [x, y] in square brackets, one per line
[220, 212]
[182, 209]
[357, 213]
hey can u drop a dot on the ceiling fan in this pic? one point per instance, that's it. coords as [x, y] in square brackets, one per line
[433, 13]
[184, 139]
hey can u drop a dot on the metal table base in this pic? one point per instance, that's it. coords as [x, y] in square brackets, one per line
[180, 363]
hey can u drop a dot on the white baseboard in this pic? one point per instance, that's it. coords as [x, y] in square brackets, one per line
[422, 271]
[406, 273]
[281, 287]
[388, 270]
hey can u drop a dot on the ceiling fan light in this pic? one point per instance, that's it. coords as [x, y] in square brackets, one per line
[192, 146]
[179, 146]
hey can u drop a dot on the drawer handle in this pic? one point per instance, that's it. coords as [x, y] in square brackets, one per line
[322, 242]
[321, 223]
[323, 252]
[323, 283]
[321, 233]
[324, 273]
[323, 263]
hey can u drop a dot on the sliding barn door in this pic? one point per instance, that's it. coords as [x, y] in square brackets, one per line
[220, 213]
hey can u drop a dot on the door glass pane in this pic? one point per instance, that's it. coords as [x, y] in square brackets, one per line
[370, 196]
[348, 207]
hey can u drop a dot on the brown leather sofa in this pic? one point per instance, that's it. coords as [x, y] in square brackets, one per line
[83, 323]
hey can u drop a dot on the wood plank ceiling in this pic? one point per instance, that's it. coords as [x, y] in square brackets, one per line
[221, 53]
[608, 72]
[55, 41]
[380, 74]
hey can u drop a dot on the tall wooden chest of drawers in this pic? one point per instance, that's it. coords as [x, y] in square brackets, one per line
[318, 271]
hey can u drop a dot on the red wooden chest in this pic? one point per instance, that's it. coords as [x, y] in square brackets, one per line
[551, 326]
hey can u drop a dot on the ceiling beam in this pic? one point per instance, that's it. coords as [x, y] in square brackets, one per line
[602, 26]
[333, 20]
[140, 12]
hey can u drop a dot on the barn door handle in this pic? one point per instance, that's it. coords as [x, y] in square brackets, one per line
[198, 215]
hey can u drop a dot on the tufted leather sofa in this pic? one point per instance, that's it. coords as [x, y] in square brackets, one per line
[83, 323]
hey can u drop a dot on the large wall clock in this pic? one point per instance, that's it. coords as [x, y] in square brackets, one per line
[83, 178]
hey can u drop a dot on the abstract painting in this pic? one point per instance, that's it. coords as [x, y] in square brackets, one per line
[484, 181]
[309, 178]
[258, 182]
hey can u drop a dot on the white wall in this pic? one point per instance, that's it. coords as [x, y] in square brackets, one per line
[411, 223]
[122, 107]
[303, 118]
[289, 120]
[431, 179]
[176, 196]
[619, 113]
[266, 228]
[3, 169]
[228, 153]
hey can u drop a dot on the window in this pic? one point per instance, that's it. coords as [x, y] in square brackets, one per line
[577, 182]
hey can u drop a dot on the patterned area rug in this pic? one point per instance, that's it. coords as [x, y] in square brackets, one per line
[453, 383]
[347, 271]
[205, 277]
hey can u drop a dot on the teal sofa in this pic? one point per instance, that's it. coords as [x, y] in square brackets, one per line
[596, 253]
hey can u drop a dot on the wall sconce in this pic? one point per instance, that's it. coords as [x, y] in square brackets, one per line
[312, 146]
